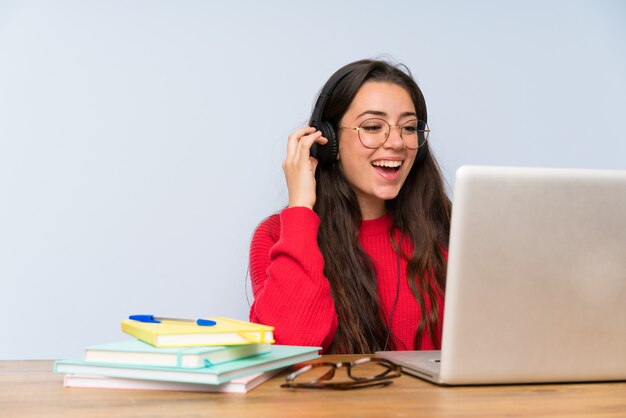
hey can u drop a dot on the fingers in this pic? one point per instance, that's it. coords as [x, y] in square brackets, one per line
[299, 166]
[294, 139]
[300, 141]
[304, 146]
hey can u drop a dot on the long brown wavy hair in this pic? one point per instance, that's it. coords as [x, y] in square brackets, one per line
[421, 211]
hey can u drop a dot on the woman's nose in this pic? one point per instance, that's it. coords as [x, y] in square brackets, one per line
[394, 140]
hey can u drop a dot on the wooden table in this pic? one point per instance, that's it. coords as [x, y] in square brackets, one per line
[30, 389]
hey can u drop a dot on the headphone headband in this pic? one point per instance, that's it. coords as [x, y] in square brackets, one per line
[326, 154]
[327, 90]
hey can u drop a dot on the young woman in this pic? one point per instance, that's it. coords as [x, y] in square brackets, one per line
[357, 262]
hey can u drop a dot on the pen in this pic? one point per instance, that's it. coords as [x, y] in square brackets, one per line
[157, 320]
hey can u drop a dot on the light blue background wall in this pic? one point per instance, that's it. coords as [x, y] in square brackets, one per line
[141, 141]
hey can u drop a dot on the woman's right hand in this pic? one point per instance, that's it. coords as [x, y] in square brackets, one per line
[299, 166]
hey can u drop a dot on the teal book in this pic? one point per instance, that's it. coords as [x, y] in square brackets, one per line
[140, 353]
[279, 356]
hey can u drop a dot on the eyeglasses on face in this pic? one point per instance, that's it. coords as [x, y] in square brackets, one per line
[374, 132]
[361, 373]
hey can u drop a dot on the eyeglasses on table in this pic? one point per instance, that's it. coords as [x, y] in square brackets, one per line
[361, 373]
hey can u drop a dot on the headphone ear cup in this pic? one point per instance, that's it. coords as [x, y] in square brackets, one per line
[327, 154]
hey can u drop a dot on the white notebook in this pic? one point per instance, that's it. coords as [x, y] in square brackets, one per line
[241, 385]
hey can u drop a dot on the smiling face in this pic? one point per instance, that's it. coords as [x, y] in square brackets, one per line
[376, 175]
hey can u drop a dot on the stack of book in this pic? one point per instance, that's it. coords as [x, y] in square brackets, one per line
[226, 356]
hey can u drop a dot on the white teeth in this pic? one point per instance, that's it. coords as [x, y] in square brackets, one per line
[385, 163]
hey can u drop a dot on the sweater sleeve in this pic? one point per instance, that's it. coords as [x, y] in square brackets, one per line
[290, 290]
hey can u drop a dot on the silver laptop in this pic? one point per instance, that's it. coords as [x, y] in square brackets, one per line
[536, 285]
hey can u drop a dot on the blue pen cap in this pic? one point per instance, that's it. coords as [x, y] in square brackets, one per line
[144, 318]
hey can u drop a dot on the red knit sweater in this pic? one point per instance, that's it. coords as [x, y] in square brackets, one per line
[292, 294]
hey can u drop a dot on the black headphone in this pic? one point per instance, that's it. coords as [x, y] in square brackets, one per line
[327, 154]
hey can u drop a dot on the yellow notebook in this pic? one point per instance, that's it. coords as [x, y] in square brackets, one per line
[226, 331]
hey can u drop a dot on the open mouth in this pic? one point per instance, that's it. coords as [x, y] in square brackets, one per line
[386, 165]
